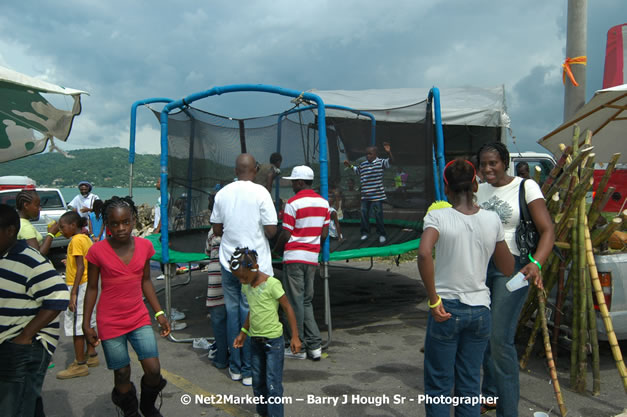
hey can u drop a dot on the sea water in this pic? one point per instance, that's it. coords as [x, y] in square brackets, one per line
[141, 195]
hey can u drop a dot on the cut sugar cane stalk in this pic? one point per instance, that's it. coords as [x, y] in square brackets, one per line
[602, 235]
[607, 321]
[582, 311]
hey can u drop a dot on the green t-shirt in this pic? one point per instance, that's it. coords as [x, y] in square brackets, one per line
[263, 302]
[28, 231]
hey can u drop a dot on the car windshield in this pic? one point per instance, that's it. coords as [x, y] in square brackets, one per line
[49, 199]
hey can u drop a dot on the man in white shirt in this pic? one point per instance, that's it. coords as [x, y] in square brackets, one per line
[83, 203]
[244, 215]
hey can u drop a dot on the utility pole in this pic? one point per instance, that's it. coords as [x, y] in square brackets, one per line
[576, 41]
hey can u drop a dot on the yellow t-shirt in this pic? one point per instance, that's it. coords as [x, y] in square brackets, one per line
[28, 231]
[79, 245]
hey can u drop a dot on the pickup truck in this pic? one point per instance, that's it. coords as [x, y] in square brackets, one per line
[612, 267]
[52, 207]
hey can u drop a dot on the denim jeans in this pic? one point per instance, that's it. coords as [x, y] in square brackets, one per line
[236, 312]
[366, 207]
[453, 355]
[218, 324]
[500, 364]
[298, 283]
[22, 372]
[267, 366]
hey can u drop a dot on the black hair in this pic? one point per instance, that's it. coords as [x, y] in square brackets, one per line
[118, 202]
[275, 157]
[97, 207]
[522, 164]
[498, 147]
[460, 176]
[72, 217]
[9, 217]
[243, 256]
[24, 197]
[308, 182]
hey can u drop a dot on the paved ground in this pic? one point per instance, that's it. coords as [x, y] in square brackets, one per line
[379, 320]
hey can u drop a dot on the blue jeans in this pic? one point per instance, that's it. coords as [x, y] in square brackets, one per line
[366, 207]
[500, 364]
[218, 324]
[298, 283]
[236, 312]
[142, 340]
[22, 372]
[453, 355]
[267, 366]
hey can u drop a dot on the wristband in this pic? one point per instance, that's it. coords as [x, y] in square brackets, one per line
[437, 303]
[535, 262]
[245, 331]
[159, 313]
[50, 234]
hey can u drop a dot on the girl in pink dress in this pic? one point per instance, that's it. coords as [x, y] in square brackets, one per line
[123, 263]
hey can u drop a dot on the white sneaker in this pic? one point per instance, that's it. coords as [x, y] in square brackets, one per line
[364, 237]
[213, 350]
[299, 355]
[382, 239]
[160, 277]
[178, 325]
[234, 376]
[176, 315]
[247, 380]
[315, 354]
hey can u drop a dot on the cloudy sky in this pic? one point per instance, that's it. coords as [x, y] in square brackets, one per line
[123, 51]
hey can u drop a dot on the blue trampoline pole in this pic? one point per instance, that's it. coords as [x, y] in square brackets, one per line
[439, 136]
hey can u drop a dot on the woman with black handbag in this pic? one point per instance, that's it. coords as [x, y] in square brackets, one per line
[509, 197]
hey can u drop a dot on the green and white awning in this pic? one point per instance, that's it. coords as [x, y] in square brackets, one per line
[24, 111]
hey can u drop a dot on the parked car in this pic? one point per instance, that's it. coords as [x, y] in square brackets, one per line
[52, 207]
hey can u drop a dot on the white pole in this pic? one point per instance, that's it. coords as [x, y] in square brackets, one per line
[576, 41]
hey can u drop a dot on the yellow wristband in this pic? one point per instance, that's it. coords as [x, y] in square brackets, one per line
[159, 313]
[51, 235]
[437, 303]
[245, 331]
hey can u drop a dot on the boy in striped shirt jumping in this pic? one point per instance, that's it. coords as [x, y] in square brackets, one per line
[305, 226]
[372, 192]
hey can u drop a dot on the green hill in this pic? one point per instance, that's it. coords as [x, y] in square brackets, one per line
[105, 167]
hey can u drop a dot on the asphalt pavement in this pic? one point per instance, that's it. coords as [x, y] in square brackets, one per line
[372, 367]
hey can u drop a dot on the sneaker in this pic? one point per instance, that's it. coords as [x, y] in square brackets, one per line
[247, 381]
[73, 371]
[93, 361]
[160, 277]
[315, 354]
[176, 315]
[213, 350]
[382, 239]
[178, 325]
[364, 237]
[234, 376]
[299, 355]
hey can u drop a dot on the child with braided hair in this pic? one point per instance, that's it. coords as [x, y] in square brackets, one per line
[123, 263]
[28, 206]
[264, 294]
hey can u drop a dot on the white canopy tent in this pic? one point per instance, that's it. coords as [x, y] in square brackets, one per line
[606, 116]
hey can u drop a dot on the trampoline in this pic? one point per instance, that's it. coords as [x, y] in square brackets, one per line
[199, 148]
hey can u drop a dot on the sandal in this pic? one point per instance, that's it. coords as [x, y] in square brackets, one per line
[485, 407]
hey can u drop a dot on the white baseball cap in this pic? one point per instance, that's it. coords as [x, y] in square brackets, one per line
[301, 172]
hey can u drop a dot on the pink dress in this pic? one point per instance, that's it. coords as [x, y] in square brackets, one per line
[121, 308]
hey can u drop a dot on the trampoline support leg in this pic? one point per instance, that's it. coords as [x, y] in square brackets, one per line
[327, 304]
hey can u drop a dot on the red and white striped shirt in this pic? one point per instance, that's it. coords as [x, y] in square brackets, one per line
[305, 215]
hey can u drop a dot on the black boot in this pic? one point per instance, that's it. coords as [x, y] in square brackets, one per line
[127, 402]
[148, 396]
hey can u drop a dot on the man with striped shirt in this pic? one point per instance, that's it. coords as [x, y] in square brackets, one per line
[33, 294]
[372, 192]
[305, 226]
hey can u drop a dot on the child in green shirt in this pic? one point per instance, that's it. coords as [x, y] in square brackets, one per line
[264, 294]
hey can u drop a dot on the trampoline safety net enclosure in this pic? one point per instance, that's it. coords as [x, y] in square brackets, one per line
[202, 148]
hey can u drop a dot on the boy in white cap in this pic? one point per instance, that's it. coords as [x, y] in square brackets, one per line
[305, 226]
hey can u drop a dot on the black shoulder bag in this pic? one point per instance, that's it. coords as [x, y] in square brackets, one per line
[527, 236]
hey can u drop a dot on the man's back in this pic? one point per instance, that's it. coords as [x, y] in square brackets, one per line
[243, 208]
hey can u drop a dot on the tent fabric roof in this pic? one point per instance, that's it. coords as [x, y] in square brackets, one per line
[470, 106]
[606, 116]
[14, 77]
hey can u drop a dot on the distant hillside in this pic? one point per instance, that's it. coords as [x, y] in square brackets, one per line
[106, 167]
